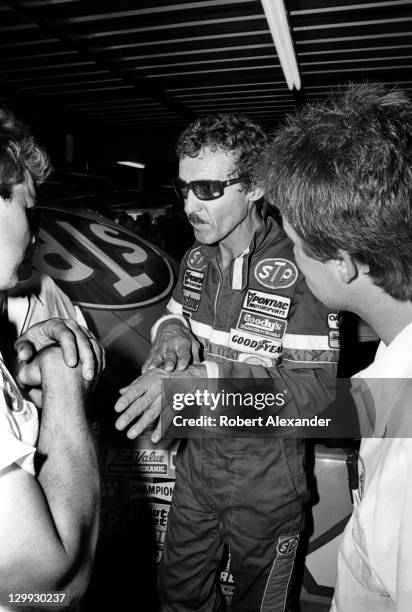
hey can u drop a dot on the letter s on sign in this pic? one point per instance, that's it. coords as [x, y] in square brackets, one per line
[138, 255]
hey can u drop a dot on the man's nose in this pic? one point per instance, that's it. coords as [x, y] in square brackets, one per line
[192, 203]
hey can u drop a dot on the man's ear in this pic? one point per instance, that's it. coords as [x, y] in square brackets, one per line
[255, 193]
[348, 268]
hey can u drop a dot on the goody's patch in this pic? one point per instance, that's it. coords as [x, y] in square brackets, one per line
[261, 324]
[276, 273]
[196, 259]
[191, 300]
[193, 279]
[267, 303]
[245, 342]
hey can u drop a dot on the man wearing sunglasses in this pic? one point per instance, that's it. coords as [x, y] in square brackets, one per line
[239, 310]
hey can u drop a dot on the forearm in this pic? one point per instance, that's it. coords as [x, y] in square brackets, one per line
[68, 469]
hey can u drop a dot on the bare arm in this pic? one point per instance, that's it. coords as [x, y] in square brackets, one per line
[48, 524]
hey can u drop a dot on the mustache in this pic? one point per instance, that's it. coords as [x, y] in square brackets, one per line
[195, 219]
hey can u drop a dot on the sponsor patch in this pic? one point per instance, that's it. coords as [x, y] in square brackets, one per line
[142, 489]
[196, 259]
[191, 300]
[193, 279]
[142, 461]
[333, 320]
[287, 545]
[242, 341]
[276, 273]
[267, 303]
[261, 324]
[334, 339]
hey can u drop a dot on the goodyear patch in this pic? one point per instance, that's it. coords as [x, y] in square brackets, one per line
[334, 339]
[193, 279]
[267, 303]
[191, 300]
[245, 342]
[333, 320]
[261, 324]
[276, 273]
[196, 259]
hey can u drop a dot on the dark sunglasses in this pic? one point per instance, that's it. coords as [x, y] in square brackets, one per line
[204, 190]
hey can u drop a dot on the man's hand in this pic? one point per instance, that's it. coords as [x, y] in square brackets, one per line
[48, 362]
[77, 343]
[174, 348]
[142, 398]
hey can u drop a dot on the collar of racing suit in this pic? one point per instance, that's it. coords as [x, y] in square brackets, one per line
[239, 266]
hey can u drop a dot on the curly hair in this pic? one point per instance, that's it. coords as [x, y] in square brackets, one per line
[341, 174]
[19, 153]
[226, 132]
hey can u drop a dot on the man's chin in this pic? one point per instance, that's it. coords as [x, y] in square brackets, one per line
[202, 235]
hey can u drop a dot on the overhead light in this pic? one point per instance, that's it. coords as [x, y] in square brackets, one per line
[132, 164]
[277, 19]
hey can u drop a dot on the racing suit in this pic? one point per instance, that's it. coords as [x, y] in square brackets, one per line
[257, 320]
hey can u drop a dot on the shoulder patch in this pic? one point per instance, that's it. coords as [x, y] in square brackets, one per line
[196, 259]
[276, 273]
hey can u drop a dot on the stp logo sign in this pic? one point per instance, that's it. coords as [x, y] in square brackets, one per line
[276, 273]
[100, 264]
[287, 544]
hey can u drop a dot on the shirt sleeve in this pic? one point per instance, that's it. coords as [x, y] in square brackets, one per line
[18, 435]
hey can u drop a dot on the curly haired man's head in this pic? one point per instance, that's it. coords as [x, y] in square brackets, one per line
[229, 133]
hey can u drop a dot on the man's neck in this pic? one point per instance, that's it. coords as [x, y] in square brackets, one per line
[239, 239]
[385, 315]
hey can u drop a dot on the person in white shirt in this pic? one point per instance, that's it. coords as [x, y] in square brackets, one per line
[49, 484]
[341, 174]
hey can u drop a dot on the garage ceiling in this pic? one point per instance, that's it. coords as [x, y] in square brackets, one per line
[123, 64]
